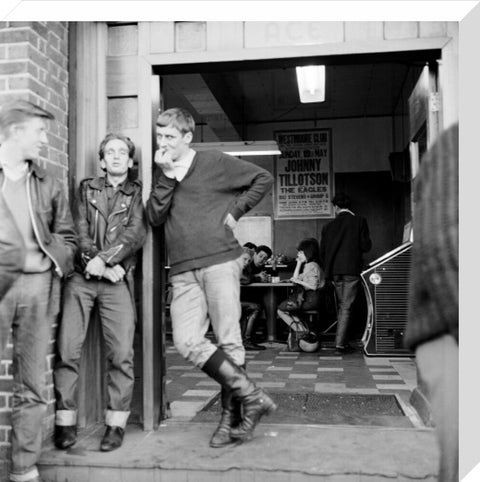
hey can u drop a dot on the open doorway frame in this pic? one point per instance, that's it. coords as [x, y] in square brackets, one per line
[119, 77]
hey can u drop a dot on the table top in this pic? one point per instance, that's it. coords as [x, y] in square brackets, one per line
[260, 284]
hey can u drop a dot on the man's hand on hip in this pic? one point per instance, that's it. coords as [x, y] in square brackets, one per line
[230, 221]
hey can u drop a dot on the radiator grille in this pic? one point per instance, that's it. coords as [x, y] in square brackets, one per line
[391, 302]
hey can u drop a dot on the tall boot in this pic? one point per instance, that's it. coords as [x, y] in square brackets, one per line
[254, 401]
[248, 343]
[231, 417]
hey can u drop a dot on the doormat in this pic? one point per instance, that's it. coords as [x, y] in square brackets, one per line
[325, 409]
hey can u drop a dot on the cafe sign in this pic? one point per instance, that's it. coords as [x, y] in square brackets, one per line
[303, 174]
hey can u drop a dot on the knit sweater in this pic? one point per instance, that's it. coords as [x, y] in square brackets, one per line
[433, 309]
[194, 210]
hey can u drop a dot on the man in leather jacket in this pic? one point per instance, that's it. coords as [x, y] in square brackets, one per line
[37, 246]
[110, 219]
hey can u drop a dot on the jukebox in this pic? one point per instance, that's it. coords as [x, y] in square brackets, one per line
[386, 285]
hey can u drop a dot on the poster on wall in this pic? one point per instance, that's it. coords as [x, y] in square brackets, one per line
[304, 174]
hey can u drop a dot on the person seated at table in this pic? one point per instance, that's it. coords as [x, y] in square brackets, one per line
[250, 309]
[251, 247]
[256, 269]
[309, 280]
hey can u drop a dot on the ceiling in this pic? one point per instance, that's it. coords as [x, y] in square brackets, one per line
[228, 101]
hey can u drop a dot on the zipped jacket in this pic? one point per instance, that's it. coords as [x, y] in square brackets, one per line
[115, 234]
[52, 225]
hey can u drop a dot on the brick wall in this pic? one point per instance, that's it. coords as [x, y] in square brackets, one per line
[34, 66]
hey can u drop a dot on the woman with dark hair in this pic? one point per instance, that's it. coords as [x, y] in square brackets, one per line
[309, 279]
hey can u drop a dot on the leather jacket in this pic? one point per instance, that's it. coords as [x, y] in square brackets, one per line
[52, 225]
[114, 234]
[12, 250]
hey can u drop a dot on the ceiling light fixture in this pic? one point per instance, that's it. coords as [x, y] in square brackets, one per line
[241, 148]
[311, 83]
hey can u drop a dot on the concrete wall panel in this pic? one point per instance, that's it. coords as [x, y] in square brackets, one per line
[274, 34]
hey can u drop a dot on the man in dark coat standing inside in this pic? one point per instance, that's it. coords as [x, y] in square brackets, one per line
[344, 240]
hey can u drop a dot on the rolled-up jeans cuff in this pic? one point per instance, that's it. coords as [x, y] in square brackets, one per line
[30, 475]
[116, 418]
[65, 418]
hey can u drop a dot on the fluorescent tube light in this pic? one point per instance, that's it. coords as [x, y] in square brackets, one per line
[311, 83]
[241, 148]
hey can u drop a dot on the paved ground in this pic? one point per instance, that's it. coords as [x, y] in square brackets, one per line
[279, 452]
[276, 369]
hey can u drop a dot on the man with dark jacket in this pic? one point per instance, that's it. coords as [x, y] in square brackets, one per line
[200, 196]
[110, 219]
[37, 245]
[344, 240]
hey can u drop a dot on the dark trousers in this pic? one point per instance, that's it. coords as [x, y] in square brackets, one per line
[118, 322]
[346, 287]
[250, 312]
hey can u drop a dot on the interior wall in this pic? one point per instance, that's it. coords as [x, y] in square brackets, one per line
[360, 150]
[357, 144]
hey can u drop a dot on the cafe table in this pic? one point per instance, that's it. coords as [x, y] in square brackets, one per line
[272, 293]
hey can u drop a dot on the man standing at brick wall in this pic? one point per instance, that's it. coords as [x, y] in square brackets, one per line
[112, 228]
[35, 216]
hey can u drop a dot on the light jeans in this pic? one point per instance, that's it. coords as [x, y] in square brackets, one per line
[30, 307]
[437, 362]
[204, 296]
[346, 287]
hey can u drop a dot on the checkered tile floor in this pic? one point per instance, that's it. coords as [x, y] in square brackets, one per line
[189, 389]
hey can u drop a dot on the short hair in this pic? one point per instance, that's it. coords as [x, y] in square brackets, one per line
[247, 251]
[310, 248]
[264, 248]
[250, 245]
[18, 111]
[341, 200]
[112, 136]
[177, 117]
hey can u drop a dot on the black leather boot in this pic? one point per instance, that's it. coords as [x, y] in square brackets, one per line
[112, 439]
[248, 343]
[233, 378]
[65, 436]
[254, 405]
[230, 417]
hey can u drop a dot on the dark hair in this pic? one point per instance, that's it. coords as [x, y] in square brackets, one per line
[176, 117]
[310, 248]
[18, 111]
[264, 248]
[341, 200]
[250, 245]
[112, 136]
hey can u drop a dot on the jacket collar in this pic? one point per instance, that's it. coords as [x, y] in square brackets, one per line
[39, 171]
[100, 183]
[33, 167]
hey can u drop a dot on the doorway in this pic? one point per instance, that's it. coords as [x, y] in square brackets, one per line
[366, 107]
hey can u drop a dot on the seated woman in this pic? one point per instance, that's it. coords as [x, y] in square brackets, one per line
[310, 279]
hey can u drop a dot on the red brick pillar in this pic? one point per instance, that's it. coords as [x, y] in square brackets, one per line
[34, 66]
